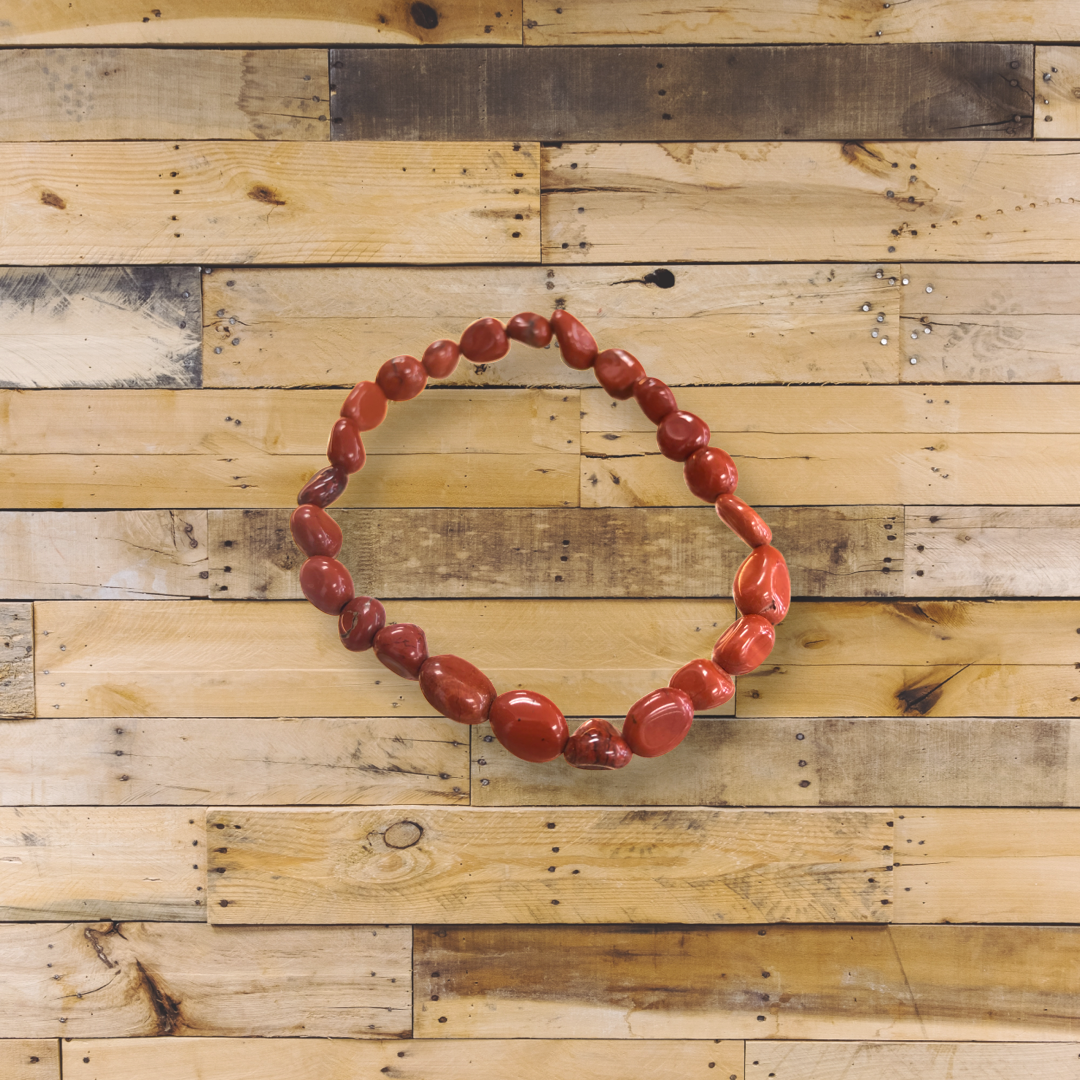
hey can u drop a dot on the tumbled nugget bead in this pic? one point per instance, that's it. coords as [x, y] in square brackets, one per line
[616, 371]
[655, 398]
[402, 648]
[658, 722]
[529, 725]
[577, 345]
[530, 329]
[707, 685]
[484, 341]
[440, 358]
[762, 585]
[744, 521]
[345, 448]
[597, 746]
[360, 620]
[366, 404]
[326, 583]
[402, 378]
[680, 434]
[744, 645]
[315, 531]
[324, 487]
[457, 689]
[710, 473]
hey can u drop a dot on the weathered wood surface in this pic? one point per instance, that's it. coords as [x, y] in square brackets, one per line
[48, 95]
[95, 327]
[909, 91]
[16, 661]
[951, 201]
[1057, 92]
[419, 864]
[454, 553]
[115, 980]
[39, 1059]
[986, 983]
[199, 761]
[268, 202]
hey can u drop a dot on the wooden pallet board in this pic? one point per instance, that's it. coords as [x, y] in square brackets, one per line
[1057, 106]
[33, 1059]
[17, 662]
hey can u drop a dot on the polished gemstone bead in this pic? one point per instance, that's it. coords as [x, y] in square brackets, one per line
[762, 585]
[655, 398]
[709, 473]
[617, 371]
[744, 644]
[744, 521]
[484, 341]
[402, 378]
[440, 358]
[529, 725]
[324, 487]
[326, 583]
[455, 688]
[315, 531]
[680, 434]
[345, 448]
[577, 345]
[707, 685]
[360, 620]
[597, 745]
[366, 404]
[402, 648]
[530, 329]
[658, 722]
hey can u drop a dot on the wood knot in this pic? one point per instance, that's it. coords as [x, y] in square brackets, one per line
[261, 193]
[402, 834]
[50, 198]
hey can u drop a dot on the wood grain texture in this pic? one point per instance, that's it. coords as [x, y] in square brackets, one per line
[16, 661]
[1057, 92]
[951, 201]
[100, 326]
[58, 94]
[419, 864]
[34, 1059]
[990, 289]
[952, 91]
[268, 202]
[124, 980]
[987, 983]
[119, 863]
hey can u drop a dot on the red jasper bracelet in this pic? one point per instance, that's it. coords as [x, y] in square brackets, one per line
[526, 723]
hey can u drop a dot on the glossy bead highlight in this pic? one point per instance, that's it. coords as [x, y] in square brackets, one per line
[345, 448]
[326, 583]
[710, 473]
[484, 341]
[707, 685]
[681, 434]
[762, 585]
[655, 398]
[325, 487]
[658, 722]
[744, 521]
[457, 689]
[529, 725]
[402, 378]
[402, 648]
[617, 371]
[440, 358]
[744, 645]
[577, 345]
[360, 620]
[314, 531]
[366, 404]
[530, 329]
[597, 746]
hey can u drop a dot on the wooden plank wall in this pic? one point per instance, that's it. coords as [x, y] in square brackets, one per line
[848, 234]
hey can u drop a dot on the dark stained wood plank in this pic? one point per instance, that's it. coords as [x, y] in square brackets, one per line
[16, 661]
[910, 91]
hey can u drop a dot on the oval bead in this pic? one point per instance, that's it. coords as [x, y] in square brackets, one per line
[324, 487]
[680, 434]
[654, 397]
[457, 689]
[616, 371]
[577, 345]
[345, 448]
[366, 404]
[360, 620]
[706, 684]
[710, 473]
[530, 329]
[326, 583]
[315, 531]
[744, 521]
[440, 358]
[402, 378]
[402, 648]
[529, 725]
[597, 746]
[484, 341]
[658, 722]
[762, 585]
[744, 645]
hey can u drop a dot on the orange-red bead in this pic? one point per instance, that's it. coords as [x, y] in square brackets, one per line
[530, 329]
[440, 358]
[360, 620]
[655, 398]
[707, 685]
[577, 345]
[325, 487]
[597, 746]
[529, 725]
[402, 378]
[710, 473]
[744, 645]
[744, 521]
[457, 689]
[345, 448]
[366, 404]
[484, 341]
[617, 371]
[315, 531]
[658, 722]
[402, 648]
[762, 585]
[680, 434]
[326, 583]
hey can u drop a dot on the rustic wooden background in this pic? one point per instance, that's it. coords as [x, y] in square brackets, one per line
[848, 231]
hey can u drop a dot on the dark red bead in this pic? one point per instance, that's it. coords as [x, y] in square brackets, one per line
[577, 345]
[402, 378]
[315, 531]
[326, 583]
[457, 689]
[402, 648]
[345, 448]
[744, 521]
[529, 329]
[744, 645]
[325, 487]
[710, 473]
[440, 358]
[366, 404]
[762, 585]
[680, 434]
[616, 371]
[484, 341]
[596, 746]
[655, 398]
[658, 722]
[529, 725]
[360, 620]
[707, 685]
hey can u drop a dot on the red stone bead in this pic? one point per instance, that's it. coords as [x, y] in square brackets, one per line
[617, 371]
[530, 329]
[366, 404]
[680, 434]
[441, 358]
[326, 583]
[596, 746]
[658, 722]
[345, 448]
[655, 398]
[744, 521]
[402, 378]
[360, 620]
[484, 341]
[455, 688]
[315, 531]
[762, 585]
[577, 345]
[324, 487]
[707, 685]
[744, 644]
[710, 473]
[402, 648]
[529, 725]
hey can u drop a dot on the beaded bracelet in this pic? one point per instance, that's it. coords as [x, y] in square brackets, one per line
[528, 724]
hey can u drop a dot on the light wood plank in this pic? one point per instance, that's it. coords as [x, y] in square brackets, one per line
[990, 289]
[114, 863]
[57, 94]
[272, 202]
[198, 761]
[39, 1059]
[497, 866]
[115, 980]
[1057, 92]
[16, 661]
